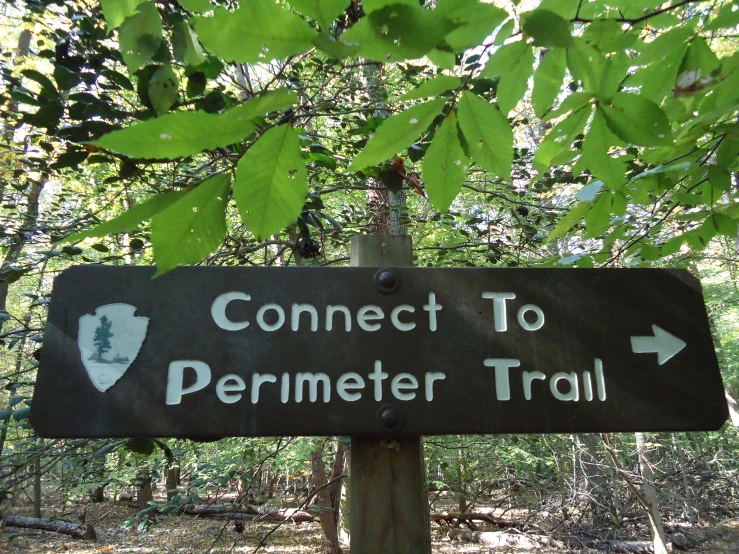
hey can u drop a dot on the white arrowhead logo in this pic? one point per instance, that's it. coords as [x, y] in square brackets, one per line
[109, 342]
[664, 344]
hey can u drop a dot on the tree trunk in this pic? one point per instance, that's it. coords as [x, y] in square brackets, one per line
[650, 496]
[37, 483]
[330, 542]
[172, 482]
[145, 495]
[591, 463]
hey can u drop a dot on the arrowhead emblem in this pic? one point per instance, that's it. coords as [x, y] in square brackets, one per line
[664, 344]
[109, 342]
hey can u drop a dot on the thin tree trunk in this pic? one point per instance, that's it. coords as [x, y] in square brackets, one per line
[591, 463]
[650, 496]
[145, 495]
[37, 481]
[330, 542]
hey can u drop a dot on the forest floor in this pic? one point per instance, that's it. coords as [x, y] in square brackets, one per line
[187, 534]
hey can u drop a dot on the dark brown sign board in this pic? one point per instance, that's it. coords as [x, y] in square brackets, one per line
[208, 352]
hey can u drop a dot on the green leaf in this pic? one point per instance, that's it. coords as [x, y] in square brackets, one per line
[573, 217]
[271, 182]
[573, 102]
[672, 246]
[727, 18]
[598, 218]
[398, 32]
[397, 133]
[334, 48]
[192, 227]
[131, 219]
[488, 133]
[587, 65]
[442, 58]
[725, 225]
[560, 138]
[566, 9]
[196, 6]
[433, 87]
[548, 79]
[185, 45]
[637, 120]
[323, 11]
[140, 36]
[258, 31]
[607, 35]
[719, 177]
[697, 67]
[374, 5]
[185, 133]
[116, 11]
[595, 148]
[476, 21]
[514, 62]
[547, 28]
[47, 86]
[163, 89]
[444, 165]
[65, 78]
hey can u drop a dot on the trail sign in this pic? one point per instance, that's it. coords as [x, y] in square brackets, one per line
[207, 352]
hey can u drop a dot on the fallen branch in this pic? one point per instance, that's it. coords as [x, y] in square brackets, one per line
[456, 518]
[86, 532]
[497, 539]
[250, 513]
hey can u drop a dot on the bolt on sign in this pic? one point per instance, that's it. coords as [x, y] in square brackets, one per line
[208, 352]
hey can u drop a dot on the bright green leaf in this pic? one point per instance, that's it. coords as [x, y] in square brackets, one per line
[587, 65]
[505, 59]
[505, 32]
[727, 18]
[442, 58]
[163, 89]
[334, 48]
[725, 225]
[433, 87]
[258, 31]
[196, 6]
[186, 46]
[566, 9]
[476, 21]
[323, 11]
[130, 220]
[598, 218]
[548, 79]
[192, 227]
[116, 11]
[271, 182]
[488, 133]
[513, 85]
[140, 35]
[444, 165]
[598, 141]
[547, 28]
[637, 120]
[561, 137]
[607, 35]
[573, 217]
[180, 134]
[398, 32]
[397, 133]
[374, 5]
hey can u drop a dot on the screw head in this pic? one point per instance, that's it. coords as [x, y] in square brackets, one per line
[387, 280]
[390, 418]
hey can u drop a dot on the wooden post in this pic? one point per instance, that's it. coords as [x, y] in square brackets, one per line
[390, 513]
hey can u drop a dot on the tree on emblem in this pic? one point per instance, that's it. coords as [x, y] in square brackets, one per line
[102, 339]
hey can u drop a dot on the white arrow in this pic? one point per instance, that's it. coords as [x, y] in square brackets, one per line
[663, 343]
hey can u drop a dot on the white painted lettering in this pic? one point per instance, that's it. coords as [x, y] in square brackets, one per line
[343, 386]
[536, 325]
[398, 386]
[285, 388]
[297, 309]
[502, 382]
[528, 377]
[396, 321]
[369, 313]
[500, 317]
[223, 387]
[271, 326]
[176, 378]
[432, 307]
[312, 379]
[331, 310]
[587, 385]
[218, 311]
[600, 380]
[377, 376]
[573, 394]
[256, 381]
[431, 377]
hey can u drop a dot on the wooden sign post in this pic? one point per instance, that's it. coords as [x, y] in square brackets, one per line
[389, 510]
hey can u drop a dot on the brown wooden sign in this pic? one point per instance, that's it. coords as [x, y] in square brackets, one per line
[211, 352]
